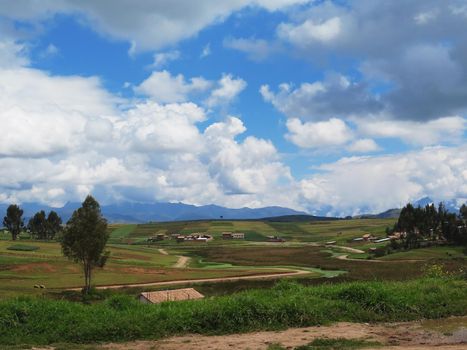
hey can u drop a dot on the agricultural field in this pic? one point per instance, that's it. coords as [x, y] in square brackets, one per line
[342, 231]
[239, 278]
[26, 263]
[32, 263]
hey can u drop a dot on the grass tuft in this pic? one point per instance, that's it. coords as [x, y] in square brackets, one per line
[338, 344]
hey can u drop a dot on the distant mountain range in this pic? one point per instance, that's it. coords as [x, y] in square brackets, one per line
[388, 214]
[146, 212]
[127, 212]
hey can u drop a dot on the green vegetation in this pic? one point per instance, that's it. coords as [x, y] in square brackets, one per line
[342, 231]
[13, 221]
[443, 252]
[432, 224]
[338, 344]
[45, 227]
[21, 270]
[85, 238]
[359, 288]
[311, 256]
[23, 247]
[118, 232]
[332, 344]
[42, 321]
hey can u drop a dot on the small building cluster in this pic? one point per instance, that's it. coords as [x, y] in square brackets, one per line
[370, 238]
[233, 235]
[170, 295]
[194, 237]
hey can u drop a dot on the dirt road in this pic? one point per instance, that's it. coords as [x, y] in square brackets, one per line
[347, 249]
[279, 274]
[394, 336]
[182, 262]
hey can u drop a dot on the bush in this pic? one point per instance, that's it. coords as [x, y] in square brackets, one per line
[23, 247]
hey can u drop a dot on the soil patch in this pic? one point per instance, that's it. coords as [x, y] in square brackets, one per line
[34, 267]
[407, 335]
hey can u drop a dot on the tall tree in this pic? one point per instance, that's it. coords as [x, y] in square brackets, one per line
[54, 224]
[85, 237]
[38, 225]
[463, 212]
[13, 220]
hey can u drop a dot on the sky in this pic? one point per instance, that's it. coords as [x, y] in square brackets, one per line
[331, 107]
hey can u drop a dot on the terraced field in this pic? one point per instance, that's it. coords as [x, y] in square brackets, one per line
[313, 231]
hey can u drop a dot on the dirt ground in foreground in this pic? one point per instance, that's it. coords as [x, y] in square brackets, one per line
[445, 334]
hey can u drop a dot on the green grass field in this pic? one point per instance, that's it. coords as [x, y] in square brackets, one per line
[427, 254]
[40, 321]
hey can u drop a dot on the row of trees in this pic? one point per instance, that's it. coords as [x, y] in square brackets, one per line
[41, 226]
[84, 237]
[45, 227]
[432, 223]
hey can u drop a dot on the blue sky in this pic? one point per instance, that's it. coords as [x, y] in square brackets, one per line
[333, 107]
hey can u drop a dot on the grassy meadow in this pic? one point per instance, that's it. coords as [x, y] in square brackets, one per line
[287, 304]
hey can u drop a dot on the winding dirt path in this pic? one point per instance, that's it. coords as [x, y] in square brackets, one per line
[346, 257]
[203, 280]
[347, 249]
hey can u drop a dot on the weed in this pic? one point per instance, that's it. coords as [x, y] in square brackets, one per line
[338, 344]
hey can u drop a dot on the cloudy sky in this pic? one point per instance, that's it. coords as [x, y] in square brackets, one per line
[333, 107]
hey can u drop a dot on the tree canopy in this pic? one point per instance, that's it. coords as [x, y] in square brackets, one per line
[431, 223]
[85, 237]
[37, 225]
[42, 227]
[54, 224]
[13, 220]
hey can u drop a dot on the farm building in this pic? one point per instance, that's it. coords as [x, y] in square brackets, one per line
[170, 295]
[233, 235]
[368, 237]
[158, 237]
[195, 237]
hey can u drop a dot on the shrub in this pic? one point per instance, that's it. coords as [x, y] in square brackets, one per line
[23, 247]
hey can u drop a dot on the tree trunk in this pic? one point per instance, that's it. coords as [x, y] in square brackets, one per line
[13, 235]
[87, 277]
